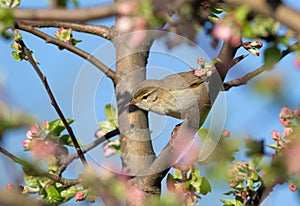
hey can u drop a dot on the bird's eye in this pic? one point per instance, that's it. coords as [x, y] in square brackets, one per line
[145, 97]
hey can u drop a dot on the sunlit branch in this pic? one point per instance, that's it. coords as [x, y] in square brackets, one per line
[93, 60]
[98, 30]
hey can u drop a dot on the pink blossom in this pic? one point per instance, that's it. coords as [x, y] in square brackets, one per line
[287, 131]
[127, 8]
[199, 72]
[124, 24]
[34, 128]
[245, 164]
[286, 113]
[285, 122]
[28, 135]
[59, 31]
[26, 144]
[275, 135]
[292, 187]
[222, 31]
[79, 196]
[45, 125]
[296, 113]
[226, 133]
[108, 150]
[99, 133]
[9, 186]
[200, 60]
[140, 23]
[212, 68]
[42, 149]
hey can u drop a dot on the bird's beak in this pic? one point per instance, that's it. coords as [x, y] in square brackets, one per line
[132, 102]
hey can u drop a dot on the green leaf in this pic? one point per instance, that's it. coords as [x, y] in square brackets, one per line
[250, 185]
[67, 140]
[216, 10]
[177, 174]
[32, 181]
[111, 114]
[106, 126]
[68, 193]
[230, 192]
[16, 56]
[53, 197]
[241, 13]
[205, 186]
[272, 55]
[232, 202]
[57, 126]
[9, 3]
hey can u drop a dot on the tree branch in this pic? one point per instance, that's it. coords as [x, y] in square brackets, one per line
[53, 101]
[75, 15]
[89, 147]
[11, 198]
[278, 11]
[98, 30]
[246, 78]
[38, 171]
[93, 60]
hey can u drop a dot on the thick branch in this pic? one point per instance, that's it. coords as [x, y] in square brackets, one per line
[53, 101]
[76, 15]
[11, 198]
[194, 119]
[93, 60]
[98, 30]
[278, 11]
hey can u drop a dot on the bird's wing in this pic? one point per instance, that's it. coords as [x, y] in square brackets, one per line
[181, 80]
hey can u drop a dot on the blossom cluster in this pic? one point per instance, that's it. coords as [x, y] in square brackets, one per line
[204, 68]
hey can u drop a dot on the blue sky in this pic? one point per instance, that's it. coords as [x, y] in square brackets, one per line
[247, 112]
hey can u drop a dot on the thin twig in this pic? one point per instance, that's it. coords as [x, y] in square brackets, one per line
[53, 101]
[93, 60]
[247, 77]
[89, 147]
[38, 171]
[98, 30]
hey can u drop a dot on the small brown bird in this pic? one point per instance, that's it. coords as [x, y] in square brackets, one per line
[172, 95]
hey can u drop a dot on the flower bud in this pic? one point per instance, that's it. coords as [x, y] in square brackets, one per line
[292, 187]
[80, 196]
[275, 135]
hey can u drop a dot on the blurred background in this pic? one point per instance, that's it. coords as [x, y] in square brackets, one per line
[82, 93]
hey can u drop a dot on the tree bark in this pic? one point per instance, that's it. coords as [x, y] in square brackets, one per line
[137, 151]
